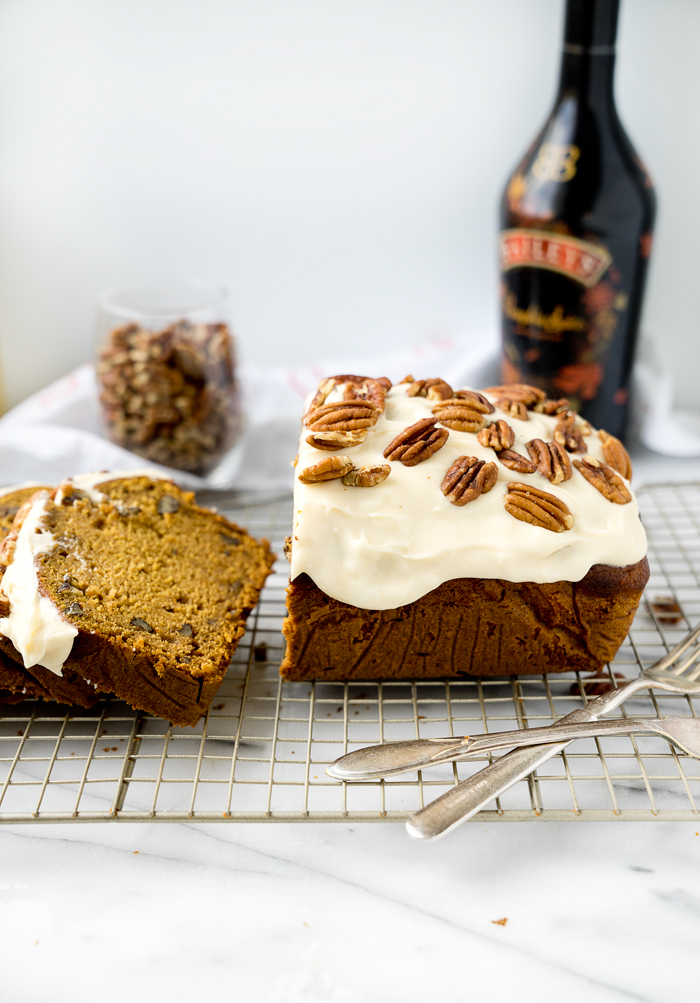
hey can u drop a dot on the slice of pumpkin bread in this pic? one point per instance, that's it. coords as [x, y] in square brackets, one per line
[137, 590]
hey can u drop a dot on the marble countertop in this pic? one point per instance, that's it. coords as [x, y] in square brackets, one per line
[353, 913]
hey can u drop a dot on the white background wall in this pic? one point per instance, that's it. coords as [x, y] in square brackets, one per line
[336, 162]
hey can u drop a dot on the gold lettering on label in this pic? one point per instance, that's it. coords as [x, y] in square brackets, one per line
[551, 324]
[556, 162]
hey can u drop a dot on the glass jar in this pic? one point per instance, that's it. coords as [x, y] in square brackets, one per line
[166, 371]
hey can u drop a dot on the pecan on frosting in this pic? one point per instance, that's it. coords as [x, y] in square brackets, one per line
[570, 435]
[459, 415]
[342, 416]
[417, 442]
[328, 469]
[432, 389]
[513, 408]
[550, 406]
[616, 456]
[550, 459]
[467, 478]
[337, 440]
[498, 435]
[515, 461]
[521, 392]
[539, 508]
[604, 479]
[367, 477]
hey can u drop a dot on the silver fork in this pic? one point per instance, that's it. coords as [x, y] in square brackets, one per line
[672, 673]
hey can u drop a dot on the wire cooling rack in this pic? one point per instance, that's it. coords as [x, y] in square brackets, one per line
[261, 752]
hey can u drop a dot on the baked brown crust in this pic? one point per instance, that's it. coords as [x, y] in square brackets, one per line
[467, 626]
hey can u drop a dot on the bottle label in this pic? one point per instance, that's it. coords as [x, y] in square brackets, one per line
[577, 259]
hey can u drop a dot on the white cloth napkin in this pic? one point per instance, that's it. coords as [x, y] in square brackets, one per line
[56, 432]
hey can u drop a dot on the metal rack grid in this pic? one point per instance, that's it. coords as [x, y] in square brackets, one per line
[260, 753]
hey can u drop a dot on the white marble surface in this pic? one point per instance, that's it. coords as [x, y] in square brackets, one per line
[352, 913]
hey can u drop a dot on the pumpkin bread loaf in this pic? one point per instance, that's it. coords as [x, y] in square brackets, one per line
[442, 531]
[138, 592]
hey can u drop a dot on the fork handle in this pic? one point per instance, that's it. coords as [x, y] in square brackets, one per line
[466, 799]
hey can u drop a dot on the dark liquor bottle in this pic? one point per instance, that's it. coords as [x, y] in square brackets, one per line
[576, 222]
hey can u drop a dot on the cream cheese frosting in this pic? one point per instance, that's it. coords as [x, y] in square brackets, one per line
[34, 625]
[388, 545]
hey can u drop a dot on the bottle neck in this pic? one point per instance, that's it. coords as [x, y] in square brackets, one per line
[588, 60]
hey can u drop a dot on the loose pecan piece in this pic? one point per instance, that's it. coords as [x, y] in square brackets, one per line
[417, 442]
[342, 416]
[550, 459]
[287, 551]
[459, 415]
[521, 392]
[513, 408]
[328, 469]
[476, 401]
[498, 435]
[4, 605]
[604, 479]
[515, 461]
[537, 507]
[433, 389]
[367, 477]
[553, 407]
[615, 454]
[337, 440]
[467, 478]
[570, 435]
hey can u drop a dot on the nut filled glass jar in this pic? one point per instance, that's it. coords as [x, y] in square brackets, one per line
[166, 371]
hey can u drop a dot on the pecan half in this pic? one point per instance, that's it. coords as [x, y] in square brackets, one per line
[521, 392]
[459, 414]
[513, 408]
[467, 478]
[363, 388]
[537, 507]
[417, 442]
[552, 407]
[476, 401]
[342, 416]
[433, 389]
[604, 479]
[515, 461]
[324, 388]
[498, 435]
[570, 435]
[550, 459]
[615, 454]
[328, 469]
[367, 477]
[337, 440]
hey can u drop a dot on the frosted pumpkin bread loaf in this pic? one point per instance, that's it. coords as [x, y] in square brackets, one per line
[440, 532]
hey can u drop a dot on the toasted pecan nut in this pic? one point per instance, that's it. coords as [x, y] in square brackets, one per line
[417, 442]
[604, 479]
[615, 454]
[287, 548]
[433, 389]
[459, 414]
[550, 406]
[521, 392]
[467, 478]
[364, 388]
[476, 401]
[513, 408]
[539, 508]
[550, 459]
[498, 435]
[367, 477]
[570, 435]
[515, 461]
[324, 388]
[328, 469]
[342, 416]
[406, 379]
[337, 440]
